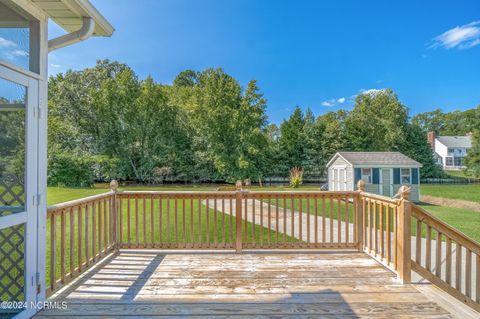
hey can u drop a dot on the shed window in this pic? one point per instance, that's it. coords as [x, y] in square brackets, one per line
[367, 175]
[406, 176]
[449, 161]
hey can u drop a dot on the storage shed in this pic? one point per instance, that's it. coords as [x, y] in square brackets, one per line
[382, 172]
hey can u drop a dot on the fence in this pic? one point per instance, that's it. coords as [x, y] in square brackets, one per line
[83, 231]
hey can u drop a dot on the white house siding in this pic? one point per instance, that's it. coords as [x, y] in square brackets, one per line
[339, 161]
[372, 188]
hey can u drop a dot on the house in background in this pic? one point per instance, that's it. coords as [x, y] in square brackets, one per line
[382, 172]
[450, 151]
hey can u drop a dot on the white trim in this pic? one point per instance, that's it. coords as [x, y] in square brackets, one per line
[339, 166]
[335, 157]
[13, 219]
[20, 70]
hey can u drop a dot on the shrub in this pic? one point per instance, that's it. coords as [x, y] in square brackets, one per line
[296, 177]
[71, 169]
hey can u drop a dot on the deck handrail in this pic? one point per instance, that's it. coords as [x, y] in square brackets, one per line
[460, 279]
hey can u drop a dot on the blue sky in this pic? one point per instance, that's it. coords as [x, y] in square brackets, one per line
[315, 54]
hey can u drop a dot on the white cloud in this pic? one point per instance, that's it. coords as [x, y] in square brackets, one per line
[55, 65]
[461, 37]
[341, 100]
[328, 103]
[4, 43]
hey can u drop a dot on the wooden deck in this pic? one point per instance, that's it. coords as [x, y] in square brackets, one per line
[311, 285]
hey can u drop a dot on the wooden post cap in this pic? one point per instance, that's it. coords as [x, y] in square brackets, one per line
[404, 192]
[361, 185]
[114, 185]
[238, 184]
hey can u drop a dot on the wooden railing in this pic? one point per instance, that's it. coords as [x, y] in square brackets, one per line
[446, 257]
[80, 233]
[240, 220]
[385, 234]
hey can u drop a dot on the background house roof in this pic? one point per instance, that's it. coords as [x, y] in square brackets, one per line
[68, 15]
[456, 141]
[378, 158]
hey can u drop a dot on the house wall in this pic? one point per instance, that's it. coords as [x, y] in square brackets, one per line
[339, 161]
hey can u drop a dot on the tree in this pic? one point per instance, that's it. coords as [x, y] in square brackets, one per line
[291, 142]
[472, 161]
[378, 122]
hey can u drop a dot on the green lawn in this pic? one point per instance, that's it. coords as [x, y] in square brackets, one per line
[466, 221]
[470, 192]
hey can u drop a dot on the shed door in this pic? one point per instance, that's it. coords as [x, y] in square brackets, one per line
[18, 192]
[387, 183]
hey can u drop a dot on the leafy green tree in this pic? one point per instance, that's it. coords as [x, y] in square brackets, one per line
[291, 142]
[472, 161]
[377, 122]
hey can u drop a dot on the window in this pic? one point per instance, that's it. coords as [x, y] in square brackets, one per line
[450, 150]
[448, 161]
[367, 175]
[406, 176]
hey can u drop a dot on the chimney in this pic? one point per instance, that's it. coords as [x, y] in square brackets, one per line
[431, 139]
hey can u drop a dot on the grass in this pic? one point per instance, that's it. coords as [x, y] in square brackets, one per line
[470, 192]
[466, 221]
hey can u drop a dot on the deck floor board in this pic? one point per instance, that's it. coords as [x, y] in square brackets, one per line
[306, 285]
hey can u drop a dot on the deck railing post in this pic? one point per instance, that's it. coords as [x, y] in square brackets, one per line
[359, 214]
[238, 217]
[404, 235]
[115, 221]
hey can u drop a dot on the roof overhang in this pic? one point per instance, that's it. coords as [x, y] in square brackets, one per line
[69, 14]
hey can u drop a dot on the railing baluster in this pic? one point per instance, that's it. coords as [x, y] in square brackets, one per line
[152, 221]
[448, 261]
[418, 242]
[428, 253]
[144, 213]
[175, 216]
[324, 226]
[72, 242]
[160, 220]
[261, 221]
[477, 276]
[253, 220]
[79, 243]
[382, 243]
[192, 236]
[200, 231]
[128, 221]
[168, 225]
[276, 218]
[438, 255]
[100, 226]
[316, 219]
[223, 222]
[389, 235]
[137, 223]
[375, 228]
[94, 232]
[307, 215]
[87, 235]
[269, 220]
[300, 218]
[62, 246]
[468, 273]
[53, 252]
[339, 219]
[231, 221]
[184, 219]
[347, 220]
[458, 267]
[284, 219]
[331, 219]
[106, 223]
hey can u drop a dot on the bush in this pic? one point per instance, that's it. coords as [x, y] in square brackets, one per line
[71, 169]
[296, 177]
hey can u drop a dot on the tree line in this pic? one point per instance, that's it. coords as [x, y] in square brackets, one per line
[105, 123]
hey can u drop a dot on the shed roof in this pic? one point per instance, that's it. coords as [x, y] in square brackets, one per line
[376, 158]
[456, 141]
[68, 14]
